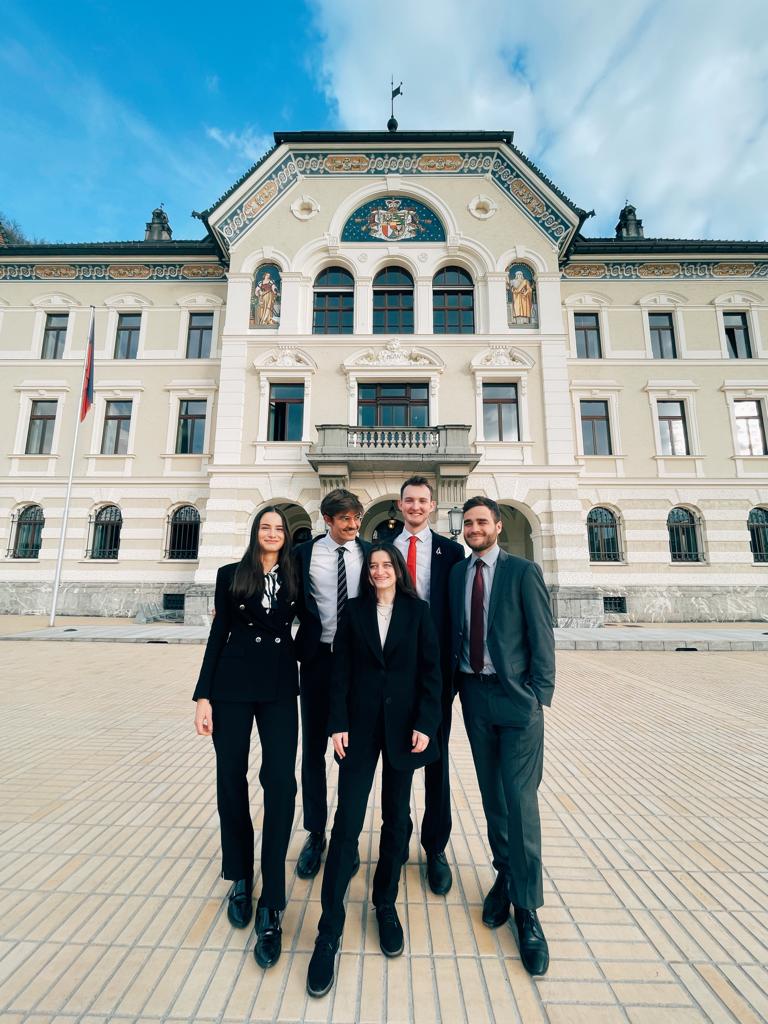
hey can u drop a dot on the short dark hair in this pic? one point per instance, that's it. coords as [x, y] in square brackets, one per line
[403, 582]
[418, 481]
[489, 503]
[340, 500]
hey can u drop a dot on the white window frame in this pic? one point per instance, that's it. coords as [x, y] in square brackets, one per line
[29, 392]
[589, 303]
[113, 391]
[676, 391]
[750, 391]
[54, 303]
[664, 303]
[193, 390]
[599, 391]
[269, 377]
[200, 303]
[739, 302]
[125, 304]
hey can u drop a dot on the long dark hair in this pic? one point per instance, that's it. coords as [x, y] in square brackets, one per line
[403, 583]
[249, 574]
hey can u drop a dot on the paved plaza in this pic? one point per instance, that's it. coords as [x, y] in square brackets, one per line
[655, 818]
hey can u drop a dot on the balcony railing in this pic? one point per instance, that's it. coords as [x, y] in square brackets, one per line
[368, 447]
[401, 438]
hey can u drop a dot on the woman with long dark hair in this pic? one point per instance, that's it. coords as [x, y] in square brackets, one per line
[249, 672]
[385, 702]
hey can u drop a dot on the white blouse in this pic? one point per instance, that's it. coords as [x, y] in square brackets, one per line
[384, 617]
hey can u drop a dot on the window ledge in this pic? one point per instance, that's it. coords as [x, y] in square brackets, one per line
[602, 564]
[110, 455]
[688, 564]
[24, 455]
[178, 561]
[98, 561]
[185, 455]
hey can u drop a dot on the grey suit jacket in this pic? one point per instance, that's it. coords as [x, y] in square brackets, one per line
[520, 637]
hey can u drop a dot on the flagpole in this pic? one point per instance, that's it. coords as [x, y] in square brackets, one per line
[65, 518]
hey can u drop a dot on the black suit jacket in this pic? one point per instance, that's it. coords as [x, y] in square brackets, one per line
[519, 631]
[404, 679]
[445, 554]
[310, 627]
[250, 653]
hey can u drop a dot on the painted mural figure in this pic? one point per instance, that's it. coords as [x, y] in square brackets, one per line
[521, 297]
[265, 302]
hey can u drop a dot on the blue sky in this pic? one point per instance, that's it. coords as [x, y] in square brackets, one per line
[107, 109]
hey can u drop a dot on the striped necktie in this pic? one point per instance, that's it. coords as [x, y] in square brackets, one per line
[341, 582]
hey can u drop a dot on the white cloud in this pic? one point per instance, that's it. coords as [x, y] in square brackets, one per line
[662, 103]
[248, 143]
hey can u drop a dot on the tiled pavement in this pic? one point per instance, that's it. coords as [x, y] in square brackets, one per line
[655, 816]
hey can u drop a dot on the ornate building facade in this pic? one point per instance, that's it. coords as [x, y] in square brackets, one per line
[366, 305]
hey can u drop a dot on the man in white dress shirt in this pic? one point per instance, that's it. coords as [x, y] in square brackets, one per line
[430, 558]
[328, 570]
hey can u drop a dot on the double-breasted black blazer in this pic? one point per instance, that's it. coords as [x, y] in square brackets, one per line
[310, 627]
[250, 653]
[403, 680]
[519, 631]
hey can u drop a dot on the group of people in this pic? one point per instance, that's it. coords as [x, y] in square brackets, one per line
[388, 634]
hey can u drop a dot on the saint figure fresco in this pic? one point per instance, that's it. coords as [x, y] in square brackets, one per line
[265, 299]
[522, 302]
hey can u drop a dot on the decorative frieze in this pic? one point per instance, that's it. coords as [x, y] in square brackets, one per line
[638, 270]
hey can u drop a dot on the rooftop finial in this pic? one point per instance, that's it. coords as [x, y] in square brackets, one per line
[392, 122]
[630, 225]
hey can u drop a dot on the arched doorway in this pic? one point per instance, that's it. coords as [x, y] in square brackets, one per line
[382, 521]
[516, 536]
[299, 523]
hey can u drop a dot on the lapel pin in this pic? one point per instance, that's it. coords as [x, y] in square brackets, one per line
[438, 552]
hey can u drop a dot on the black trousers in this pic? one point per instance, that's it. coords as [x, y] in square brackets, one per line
[436, 823]
[355, 781]
[509, 760]
[314, 687]
[278, 726]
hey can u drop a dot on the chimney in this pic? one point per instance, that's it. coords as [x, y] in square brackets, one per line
[629, 226]
[158, 229]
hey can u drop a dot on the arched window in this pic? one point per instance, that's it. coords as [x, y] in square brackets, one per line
[106, 525]
[393, 302]
[758, 534]
[603, 536]
[29, 532]
[183, 532]
[333, 304]
[683, 536]
[453, 302]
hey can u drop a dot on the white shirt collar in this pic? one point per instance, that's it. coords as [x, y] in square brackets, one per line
[489, 558]
[332, 545]
[422, 534]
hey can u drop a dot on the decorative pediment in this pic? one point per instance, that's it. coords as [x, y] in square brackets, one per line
[200, 300]
[587, 300]
[129, 300]
[737, 299]
[501, 357]
[662, 299]
[285, 357]
[394, 355]
[54, 300]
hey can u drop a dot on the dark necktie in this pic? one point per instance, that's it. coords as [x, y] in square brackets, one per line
[477, 620]
[341, 582]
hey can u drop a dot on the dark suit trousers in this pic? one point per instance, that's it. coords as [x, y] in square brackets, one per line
[355, 781]
[436, 823]
[277, 723]
[509, 759]
[315, 707]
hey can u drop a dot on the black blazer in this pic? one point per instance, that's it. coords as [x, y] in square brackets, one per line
[310, 627]
[519, 631]
[404, 678]
[445, 554]
[250, 652]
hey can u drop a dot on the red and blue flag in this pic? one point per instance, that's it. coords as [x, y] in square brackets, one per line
[86, 400]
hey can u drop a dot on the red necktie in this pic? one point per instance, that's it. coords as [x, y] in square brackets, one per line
[477, 620]
[411, 560]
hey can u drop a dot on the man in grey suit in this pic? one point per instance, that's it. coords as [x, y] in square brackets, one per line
[503, 657]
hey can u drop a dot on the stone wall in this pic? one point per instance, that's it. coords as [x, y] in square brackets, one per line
[114, 600]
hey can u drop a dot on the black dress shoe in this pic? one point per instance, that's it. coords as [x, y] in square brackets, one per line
[496, 903]
[311, 855]
[390, 930]
[269, 937]
[534, 951]
[321, 967]
[438, 874]
[240, 908]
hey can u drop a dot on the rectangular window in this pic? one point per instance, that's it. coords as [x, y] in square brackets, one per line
[672, 428]
[615, 604]
[117, 427]
[587, 327]
[286, 412]
[190, 436]
[595, 428]
[199, 335]
[500, 418]
[750, 429]
[54, 335]
[393, 405]
[662, 336]
[737, 335]
[127, 337]
[42, 420]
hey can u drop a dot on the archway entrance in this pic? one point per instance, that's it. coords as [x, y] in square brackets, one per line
[382, 521]
[515, 537]
[299, 523]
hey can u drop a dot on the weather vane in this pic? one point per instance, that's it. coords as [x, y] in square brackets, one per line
[392, 123]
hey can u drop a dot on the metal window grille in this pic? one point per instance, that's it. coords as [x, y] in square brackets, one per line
[615, 604]
[587, 327]
[173, 603]
[199, 335]
[603, 536]
[453, 302]
[54, 336]
[26, 532]
[333, 302]
[393, 302]
[104, 530]
[683, 536]
[183, 533]
[758, 534]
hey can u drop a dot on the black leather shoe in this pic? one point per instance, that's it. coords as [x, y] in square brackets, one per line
[240, 908]
[311, 855]
[496, 903]
[320, 975]
[534, 951]
[390, 930]
[269, 937]
[356, 862]
[438, 874]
